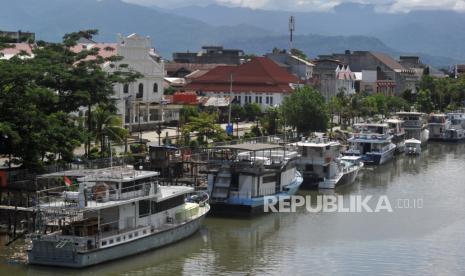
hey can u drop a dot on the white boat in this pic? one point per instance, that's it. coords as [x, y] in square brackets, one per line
[415, 125]
[396, 129]
[110, 214]
[321, 166]
[437, 125]
[456, 131]
[412, 146]
[372, 142]
[242, 177]
[351, 165]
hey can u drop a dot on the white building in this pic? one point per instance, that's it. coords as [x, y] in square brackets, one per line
[143, 99]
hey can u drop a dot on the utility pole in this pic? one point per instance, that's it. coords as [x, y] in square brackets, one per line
[140, 130]
[230, 97]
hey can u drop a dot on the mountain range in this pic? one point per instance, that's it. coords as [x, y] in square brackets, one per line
[434, 35]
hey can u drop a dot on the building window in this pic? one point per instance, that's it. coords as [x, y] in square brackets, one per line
[141, 91]
[256, 99]
[126, 88]
[155, 88]
[271, 100]
[267, 100]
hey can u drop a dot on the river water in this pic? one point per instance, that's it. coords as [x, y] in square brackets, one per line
[423, 241]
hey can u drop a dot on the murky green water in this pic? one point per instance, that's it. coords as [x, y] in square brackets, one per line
[421, 241]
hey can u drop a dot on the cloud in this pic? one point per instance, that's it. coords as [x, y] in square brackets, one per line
[316, 5]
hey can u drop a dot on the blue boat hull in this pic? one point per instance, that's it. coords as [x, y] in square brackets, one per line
[252, 206]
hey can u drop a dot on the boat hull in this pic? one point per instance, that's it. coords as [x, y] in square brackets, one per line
[46, 252]
[248, 207]
[378, 159]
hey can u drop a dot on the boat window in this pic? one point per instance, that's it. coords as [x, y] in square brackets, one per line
[309, 167]
[144, 208]
[153, 207]
[130, 236]
[136, 234]
[170, 203]
[144, 232]
[104, 243]
[235, 181]
[118, 239]
[111, 241]
[269, 178]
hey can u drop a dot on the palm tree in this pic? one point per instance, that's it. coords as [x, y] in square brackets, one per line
[107, 124]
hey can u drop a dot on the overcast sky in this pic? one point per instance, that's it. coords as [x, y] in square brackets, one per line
[315, 5]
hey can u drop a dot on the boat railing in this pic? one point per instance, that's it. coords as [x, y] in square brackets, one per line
[69, 197]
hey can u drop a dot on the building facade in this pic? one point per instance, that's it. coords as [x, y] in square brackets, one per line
[140, 103]
[332, 77]
[259, 81]
[302, 68]
[211, 55]
[391, 75]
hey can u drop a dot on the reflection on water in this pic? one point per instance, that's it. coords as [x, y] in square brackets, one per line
[407, 241]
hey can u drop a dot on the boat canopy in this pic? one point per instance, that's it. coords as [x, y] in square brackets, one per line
[251, 147]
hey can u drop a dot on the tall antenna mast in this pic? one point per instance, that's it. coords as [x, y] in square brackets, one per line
[291, 31]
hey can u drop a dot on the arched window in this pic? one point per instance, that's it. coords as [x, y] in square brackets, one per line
[126, 88]
[141, 91]
[155, 88]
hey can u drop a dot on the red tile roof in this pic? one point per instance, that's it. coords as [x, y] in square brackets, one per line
[18, 47]
[106, 50]
[258, 75]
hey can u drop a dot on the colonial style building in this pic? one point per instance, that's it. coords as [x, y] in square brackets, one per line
[260, 81]
[140, 102]
[392, 77]
[332, 77]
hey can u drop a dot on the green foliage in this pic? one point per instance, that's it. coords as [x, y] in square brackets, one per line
[270, 120]
[107, 124]
[237, 111]
[305, 110]
[38, 95]
[252, 111]
[205, 127]
[137, 148]
[299, 53]
[424, 102]
[187, 112]
[169, 91]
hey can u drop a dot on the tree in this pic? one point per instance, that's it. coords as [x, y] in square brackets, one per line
[299, 53]
[188, 112]
[38, 95]
[269, 121]
[237, 111]
[305, 110]
[205, 127]
[424, 101]
[252, 111]
[107, 124]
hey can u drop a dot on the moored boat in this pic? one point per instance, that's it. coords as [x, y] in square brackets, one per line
[110, 214]
[412, 146]
[437, 126]
[396, 129]
[321, 166]
[415, 125]
[351, 166]
[372, 142]
[242, 178]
